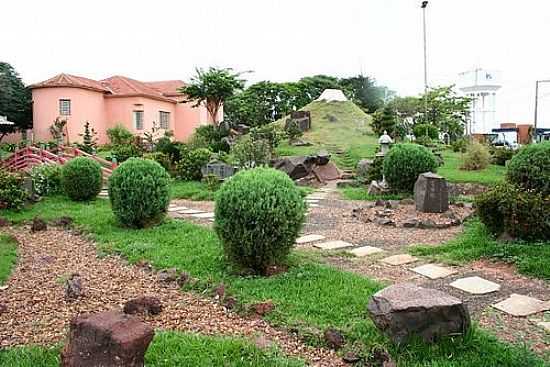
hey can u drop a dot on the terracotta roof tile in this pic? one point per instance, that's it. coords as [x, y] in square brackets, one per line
[168, 88]
[71, 81]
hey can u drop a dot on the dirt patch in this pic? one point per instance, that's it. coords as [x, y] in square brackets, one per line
[38, 312]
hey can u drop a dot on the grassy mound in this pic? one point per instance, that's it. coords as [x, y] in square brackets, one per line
[342, 128]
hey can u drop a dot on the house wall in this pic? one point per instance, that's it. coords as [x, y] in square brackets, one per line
[120, 110]
[188, 118]
[86, 105]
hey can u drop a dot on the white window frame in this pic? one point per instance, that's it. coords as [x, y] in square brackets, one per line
[164, 124]
[64, 107]
[137, 113]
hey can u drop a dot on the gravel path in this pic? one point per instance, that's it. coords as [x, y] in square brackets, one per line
[39, 314]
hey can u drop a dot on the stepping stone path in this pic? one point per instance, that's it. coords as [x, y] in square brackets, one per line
[397, 260]
[190, 211]
[103, 194]
[309, 238]
[475, 285]
[365, 251]
[433, 271]
[208, 215]
[333, 245]
[545, 325]
[518, 305]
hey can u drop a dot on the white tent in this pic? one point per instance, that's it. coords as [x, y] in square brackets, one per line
[330, 95]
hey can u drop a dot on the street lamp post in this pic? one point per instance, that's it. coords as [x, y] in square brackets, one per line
[423, 6]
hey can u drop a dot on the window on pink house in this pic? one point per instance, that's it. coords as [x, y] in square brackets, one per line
[64, 107]
[138, 120]
[164, 118]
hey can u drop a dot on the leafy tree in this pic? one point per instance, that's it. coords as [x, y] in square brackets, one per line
[212, 87]
[15, 101]
[385, 119]
[365, 93]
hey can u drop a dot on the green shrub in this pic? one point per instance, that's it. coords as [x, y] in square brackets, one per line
[139, 192]
[270, 133]
[404, 162]
[46, 179]
[167, 146]
[161, 158]
[120, 135]
[501, 155]
[426, 130]
[477, 157]
[210, 137]
[249, 153]
[12, 194]
[212, 182]
[81, 178]
[522, 214]
[425, 141]
[188, 168]
[123, 152]
[293, 131]
[460, 145]
[259, 214]
[530, 168]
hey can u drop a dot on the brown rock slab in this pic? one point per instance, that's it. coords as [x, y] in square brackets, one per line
[146, 305]
[405, 310]
[108, 339]
[519, 305]
[431, 193]
[334, 338]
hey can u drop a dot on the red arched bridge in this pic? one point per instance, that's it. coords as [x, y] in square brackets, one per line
[26, 158]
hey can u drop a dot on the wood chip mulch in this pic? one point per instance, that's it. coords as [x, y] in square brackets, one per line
[37, 312]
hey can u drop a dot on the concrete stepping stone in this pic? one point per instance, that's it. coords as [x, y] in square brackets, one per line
[365, 251]
[475, 285]
[518, 305]
[433, 271]
[176, 208]
[313, 205]
[190, 211]
[203, 215]
[332, 245]
[319, 196]
[545, 325]
[308, 238]
[400, 259]
[326, 189]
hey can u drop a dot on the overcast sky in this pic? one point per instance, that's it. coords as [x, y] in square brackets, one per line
[286, 39]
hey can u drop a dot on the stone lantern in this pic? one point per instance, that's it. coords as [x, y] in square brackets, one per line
[385, 140]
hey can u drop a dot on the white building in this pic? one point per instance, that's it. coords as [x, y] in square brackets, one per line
[481, 85]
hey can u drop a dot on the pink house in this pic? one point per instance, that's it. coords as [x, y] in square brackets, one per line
[108, 102]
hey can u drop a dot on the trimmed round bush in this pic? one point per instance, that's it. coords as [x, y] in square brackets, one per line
[259, 214]
[521, 214]
[139, 192]
[477, 157]
[81, 178]
[404, 162]
[530, 168]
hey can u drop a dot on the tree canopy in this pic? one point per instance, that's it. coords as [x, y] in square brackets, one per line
[15, 101]
[211, 88]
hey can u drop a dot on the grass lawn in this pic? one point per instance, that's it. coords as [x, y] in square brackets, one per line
[309, 297]
[169, 349]
[192, 190]
[8, 256]
[452, 172]
[475, 243]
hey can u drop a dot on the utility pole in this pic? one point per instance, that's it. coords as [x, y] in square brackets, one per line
[537, 107]
[423, 6]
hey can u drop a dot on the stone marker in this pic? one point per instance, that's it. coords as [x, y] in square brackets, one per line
[109, 339]
[332, 245]
[475, 285]
[309, 238]
[365, 251]
[431, 193]
[400, 259]
[405, 310]
[433, 271]
[518, 305]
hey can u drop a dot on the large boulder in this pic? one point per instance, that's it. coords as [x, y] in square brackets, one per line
[363, 167]
[405, 310]
[295, 166]
[431, 193]
[107, 339]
